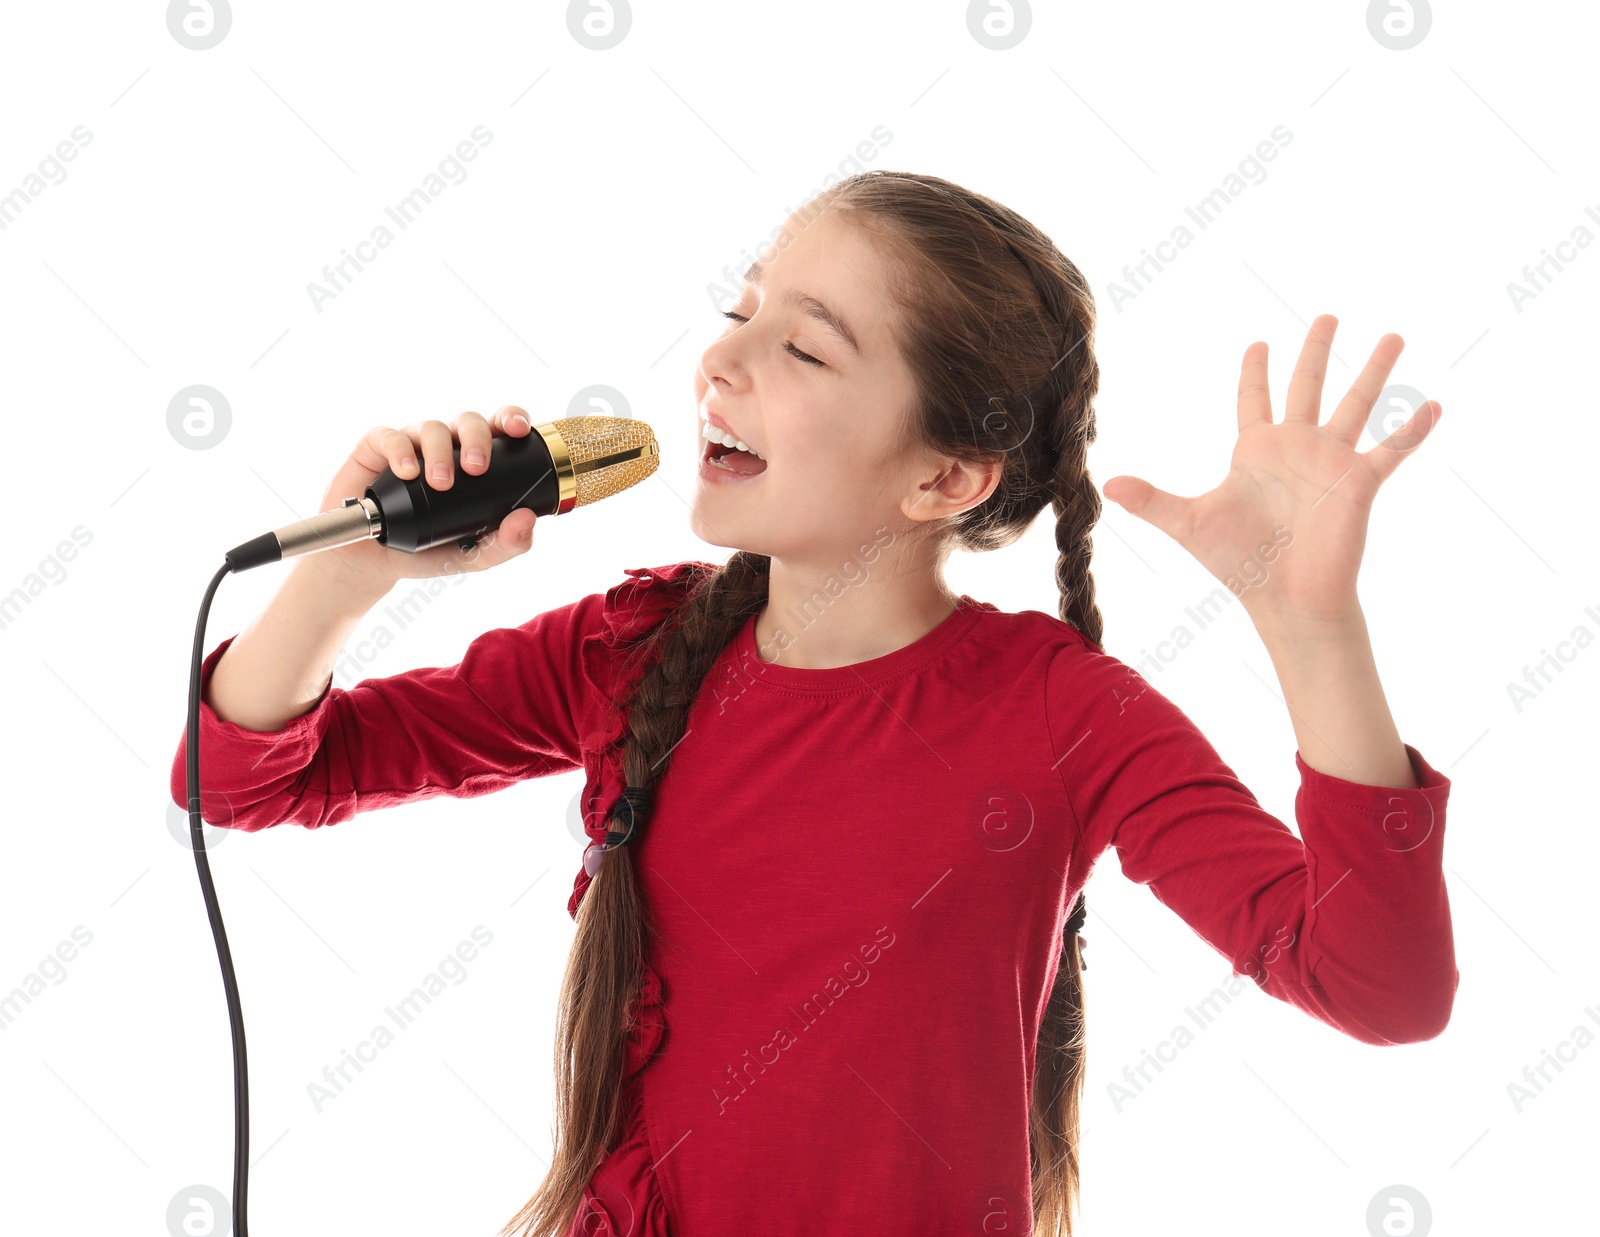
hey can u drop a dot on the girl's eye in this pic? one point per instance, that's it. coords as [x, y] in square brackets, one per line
[728, 313]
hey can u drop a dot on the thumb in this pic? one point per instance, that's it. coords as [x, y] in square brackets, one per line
[513, 537]
[1154, 506]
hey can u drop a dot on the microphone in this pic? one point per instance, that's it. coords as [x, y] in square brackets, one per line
[557, 466]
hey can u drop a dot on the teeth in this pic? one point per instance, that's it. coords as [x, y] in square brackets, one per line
[711, 432]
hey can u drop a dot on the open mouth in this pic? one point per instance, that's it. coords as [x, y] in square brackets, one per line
[732, 459]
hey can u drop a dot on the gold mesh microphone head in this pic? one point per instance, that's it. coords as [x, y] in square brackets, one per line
[596, 457]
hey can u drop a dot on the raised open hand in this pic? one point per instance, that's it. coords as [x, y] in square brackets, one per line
[1285, 529]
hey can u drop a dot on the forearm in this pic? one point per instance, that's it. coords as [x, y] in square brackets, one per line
[1336, 702]
[279, 666]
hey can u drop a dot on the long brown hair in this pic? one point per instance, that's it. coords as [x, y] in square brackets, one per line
[996, 327]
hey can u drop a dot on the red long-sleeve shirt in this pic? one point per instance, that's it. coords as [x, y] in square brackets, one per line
[859, 877]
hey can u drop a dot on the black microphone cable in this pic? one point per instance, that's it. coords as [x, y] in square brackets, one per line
[230, 985]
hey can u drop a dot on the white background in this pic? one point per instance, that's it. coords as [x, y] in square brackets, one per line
[178, 249]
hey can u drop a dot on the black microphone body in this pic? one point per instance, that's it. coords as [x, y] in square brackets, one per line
[417, 517]
[556, 466]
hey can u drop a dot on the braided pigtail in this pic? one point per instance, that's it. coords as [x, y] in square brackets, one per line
[605, 967]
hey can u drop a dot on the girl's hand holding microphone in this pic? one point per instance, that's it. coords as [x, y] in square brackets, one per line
[423, 449]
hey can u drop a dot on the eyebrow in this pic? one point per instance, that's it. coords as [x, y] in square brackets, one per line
[811, 307]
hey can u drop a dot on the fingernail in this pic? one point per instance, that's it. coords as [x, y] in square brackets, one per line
[475, 457]
[409, 464]
[518, 422]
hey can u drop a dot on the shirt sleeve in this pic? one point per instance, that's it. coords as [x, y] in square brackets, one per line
[509, 710]
[1349, 922]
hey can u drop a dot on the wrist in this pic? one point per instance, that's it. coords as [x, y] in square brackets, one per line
[348, 589]
[1284, 627]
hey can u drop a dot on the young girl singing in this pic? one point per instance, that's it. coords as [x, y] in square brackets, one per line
[826, 975]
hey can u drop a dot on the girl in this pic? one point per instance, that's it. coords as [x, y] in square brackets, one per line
[827, 973]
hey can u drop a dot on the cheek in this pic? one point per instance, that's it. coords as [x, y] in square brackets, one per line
[827, 466]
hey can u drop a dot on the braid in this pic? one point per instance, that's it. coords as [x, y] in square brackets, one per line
[605, 969]
[688, 649]
[1071, 387]
[1075, 497]
[1077, 507]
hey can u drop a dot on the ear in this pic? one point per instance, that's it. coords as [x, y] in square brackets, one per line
[949, 486]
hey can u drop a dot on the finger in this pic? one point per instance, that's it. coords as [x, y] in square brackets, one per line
[1350, 417]
[1305, 384]
[379, 448]
[475, 437]
[1388, 455]
[1255, 400]
[512, 420]
[438, 454]
[1168, 512]
[384, 447]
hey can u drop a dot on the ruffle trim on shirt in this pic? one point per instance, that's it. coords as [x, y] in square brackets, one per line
[624, 1197]
[631, 608]
[647, 1023]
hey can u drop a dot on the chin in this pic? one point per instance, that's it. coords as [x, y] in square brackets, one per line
[704, 531]
[710, 536]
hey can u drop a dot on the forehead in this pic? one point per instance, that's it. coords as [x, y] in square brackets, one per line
[827, 257]
[824, 245]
